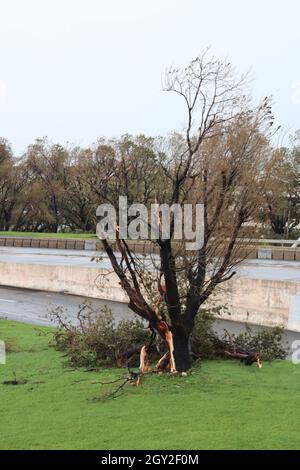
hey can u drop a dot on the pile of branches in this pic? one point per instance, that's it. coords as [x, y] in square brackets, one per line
[97, 340]
[228, 347]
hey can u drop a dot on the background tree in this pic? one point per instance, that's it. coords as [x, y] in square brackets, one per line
[11, 185]
[79, 202]
[47, 176]
[282, 194]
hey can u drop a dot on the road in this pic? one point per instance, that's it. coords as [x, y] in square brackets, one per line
[33, 307]
[258, 269]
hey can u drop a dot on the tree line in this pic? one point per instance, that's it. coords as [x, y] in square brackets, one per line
[55, 188]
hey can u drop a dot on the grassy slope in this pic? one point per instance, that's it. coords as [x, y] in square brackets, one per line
[77, 236]
[223, 405]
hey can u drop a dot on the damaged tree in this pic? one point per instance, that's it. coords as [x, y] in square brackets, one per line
[222, 162]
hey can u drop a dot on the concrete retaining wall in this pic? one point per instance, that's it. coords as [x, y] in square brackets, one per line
[89, 282]
[267, 302]
[261, 301]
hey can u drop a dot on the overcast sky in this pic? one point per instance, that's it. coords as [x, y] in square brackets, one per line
[75, 70]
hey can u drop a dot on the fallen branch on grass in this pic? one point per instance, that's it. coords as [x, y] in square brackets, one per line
[15, 381]
[248, 358]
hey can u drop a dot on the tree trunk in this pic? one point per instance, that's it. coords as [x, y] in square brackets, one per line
[181, 351]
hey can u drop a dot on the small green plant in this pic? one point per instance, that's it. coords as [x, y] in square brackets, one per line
[202, 343]
[97, 339]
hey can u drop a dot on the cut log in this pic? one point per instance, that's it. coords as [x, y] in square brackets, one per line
[247, 358]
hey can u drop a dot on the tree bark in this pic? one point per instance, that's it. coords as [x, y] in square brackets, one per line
[181, 350]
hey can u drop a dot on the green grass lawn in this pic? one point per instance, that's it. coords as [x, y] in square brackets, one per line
[77, 236]
[221, 405]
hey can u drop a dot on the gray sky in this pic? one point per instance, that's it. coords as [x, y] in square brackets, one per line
[75, 70]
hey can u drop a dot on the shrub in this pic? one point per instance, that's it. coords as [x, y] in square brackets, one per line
[269, 342]
[205, 343]
[10, 343]
[97, 339]
[202, 342]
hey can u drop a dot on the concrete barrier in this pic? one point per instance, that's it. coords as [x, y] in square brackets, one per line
[89, 282]
[263, 302]
[53, 243]
[263, 249]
